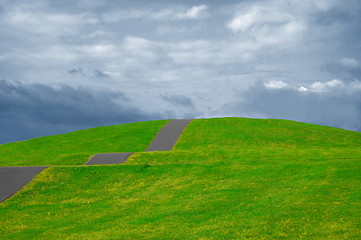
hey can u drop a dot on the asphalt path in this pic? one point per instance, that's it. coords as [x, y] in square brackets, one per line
[108, 158]
[165, 140]
[168, 135]
[12, 179]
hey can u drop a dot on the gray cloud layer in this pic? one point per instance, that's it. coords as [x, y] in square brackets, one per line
[335, 103]
[95, 62]
[33, 110]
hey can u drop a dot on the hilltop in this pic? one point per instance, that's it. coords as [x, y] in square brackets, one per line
[226, 178]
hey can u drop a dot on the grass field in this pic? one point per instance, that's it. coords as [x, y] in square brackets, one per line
[229, 178]
[77, 147]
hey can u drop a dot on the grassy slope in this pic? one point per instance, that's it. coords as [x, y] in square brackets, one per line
[241, 139]
[76, 147]
[265, 179]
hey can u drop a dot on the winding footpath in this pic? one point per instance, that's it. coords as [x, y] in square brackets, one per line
[13, 179]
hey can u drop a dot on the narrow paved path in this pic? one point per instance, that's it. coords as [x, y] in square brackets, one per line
[165, 140]
[168, 135]
[12, 179]
[108, 158]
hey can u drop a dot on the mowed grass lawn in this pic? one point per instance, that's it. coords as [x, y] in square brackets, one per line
[229, 178]
[77, 147]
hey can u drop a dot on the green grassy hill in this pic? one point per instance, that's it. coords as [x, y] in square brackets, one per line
[77, 147]
[227, 178]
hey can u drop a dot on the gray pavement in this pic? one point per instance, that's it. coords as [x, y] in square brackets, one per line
[108, 158]
[168, 135]
[12, 179]
[165, 140]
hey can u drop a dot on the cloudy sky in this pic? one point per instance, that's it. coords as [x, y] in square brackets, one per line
[74, 64]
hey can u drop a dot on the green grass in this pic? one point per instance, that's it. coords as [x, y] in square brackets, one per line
[235, 133]
[264, 179]
[77, 147]
[240, 139]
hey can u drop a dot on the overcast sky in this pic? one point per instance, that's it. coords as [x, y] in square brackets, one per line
[74, 64]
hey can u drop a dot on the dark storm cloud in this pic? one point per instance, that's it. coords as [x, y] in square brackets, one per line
[333, 15]
[333, 104]
[180, 100]
[33, 110]
[96, 73]
[75, 71]
[346, 68]
[100, 74]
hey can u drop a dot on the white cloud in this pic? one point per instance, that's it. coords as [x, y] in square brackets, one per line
[194, 12]
[302, 89]
[332, 86]
[275, 84]
[268, 23]
[175, 13]
[256, 15]
[244, 21]
[316, 87]
[326, 86]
